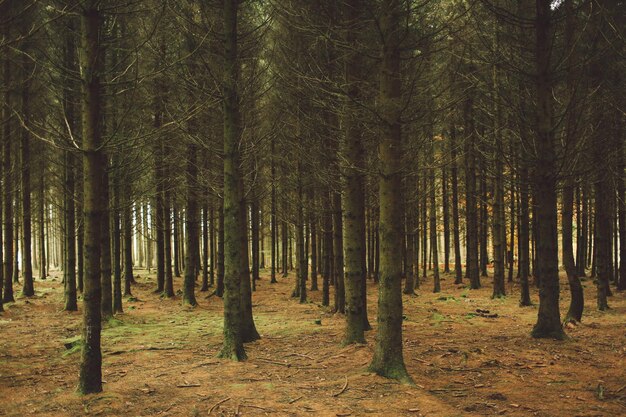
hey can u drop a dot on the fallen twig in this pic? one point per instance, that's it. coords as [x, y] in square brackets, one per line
[343, 389]
[217, 404]
[187, 385]
[295, 399]
[256, 406]
[288, 365]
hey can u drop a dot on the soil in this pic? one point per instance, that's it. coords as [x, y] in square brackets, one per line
[469, 355]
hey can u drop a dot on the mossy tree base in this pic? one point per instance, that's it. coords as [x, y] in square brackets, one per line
[395, 370]
[233, 353]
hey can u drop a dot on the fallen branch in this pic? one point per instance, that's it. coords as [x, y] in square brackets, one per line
[343, 389]
[294, 400]
[288, 365]
[217, 404]
[256, 406]
[187, 385]
[299, 354]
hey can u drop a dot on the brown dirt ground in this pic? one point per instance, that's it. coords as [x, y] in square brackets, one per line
[463, 364]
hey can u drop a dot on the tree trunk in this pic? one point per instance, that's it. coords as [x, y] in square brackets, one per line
[117, 245]
[168, 290]
[128, 238]
[387, 360]
[234, 228]
[191, 226]
[458, 269]
[577, 304]
[470, 197]
[8, 212]
[353, 181]
[28, 288]
[340, 295]
[544, 185]
[433, 214]
[446, 219]
[176, 243]
[205, 243]
[499, 222]
[105, 260]
[94, 167]
[219, 290]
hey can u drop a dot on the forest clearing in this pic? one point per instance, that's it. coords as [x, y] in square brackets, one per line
[327, 208]
[160, 359]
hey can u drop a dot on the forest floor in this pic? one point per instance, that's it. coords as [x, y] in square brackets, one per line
[159, 358]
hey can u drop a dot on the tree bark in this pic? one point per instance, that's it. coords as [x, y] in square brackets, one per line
[234, 228]
[544, 184]
[353, 195]
[94, 167]
[388, 360]
[191, 226]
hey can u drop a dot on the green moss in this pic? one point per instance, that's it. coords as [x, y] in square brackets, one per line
[72, 345]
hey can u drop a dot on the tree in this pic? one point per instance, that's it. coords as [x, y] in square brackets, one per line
[234, 227]
[94, 167]
[353, 195]
[544, 182]
[388, 360]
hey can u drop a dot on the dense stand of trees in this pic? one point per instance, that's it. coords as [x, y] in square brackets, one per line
[356, 142]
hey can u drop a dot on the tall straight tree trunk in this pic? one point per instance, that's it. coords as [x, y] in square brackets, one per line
[205, 243]
[254, 234]
[411, 267]
[580, 232]
[148, 236]
[300, 232]
[387, 360]
[191, 226]
[219, 290]
[80, 230]
[8, 213]
[234, 227]
[43, 273]
[28, 288]
[159, 209]
[212, 248]
[425, 237]
[248, 328]
[284, 247]
[94, 168]
[576, 305]
[511, 252]
[544, 185]
[127, 225]
[524, 238]
[433, 213]
[69, 106]
[471, 214]
[484, 219]
[168, 290]
[340, 295]
[273, 227]
[446, 219]
[117, 245]
[70, 237]
[176, 243]
[621, 189]
[105, 260]
[498, 219]
[353, 195]
[458, 269]
[314, 242]
[328, 250]
[16, 233]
